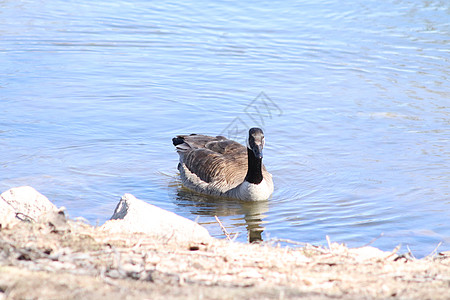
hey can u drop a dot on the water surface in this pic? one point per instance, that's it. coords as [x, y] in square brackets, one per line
[355, 108]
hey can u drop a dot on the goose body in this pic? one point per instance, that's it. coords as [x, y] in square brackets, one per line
[222, 167]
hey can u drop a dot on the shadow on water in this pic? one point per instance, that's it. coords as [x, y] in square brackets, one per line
[248, 214]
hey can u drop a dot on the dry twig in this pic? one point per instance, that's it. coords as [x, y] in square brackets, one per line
[223, 228]
[372, 241]
[329, 243]
[393, 252]
[434, 252]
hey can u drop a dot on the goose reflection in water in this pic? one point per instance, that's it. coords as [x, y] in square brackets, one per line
[248, 214]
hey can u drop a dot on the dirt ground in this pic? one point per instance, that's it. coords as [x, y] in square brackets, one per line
[62, 259]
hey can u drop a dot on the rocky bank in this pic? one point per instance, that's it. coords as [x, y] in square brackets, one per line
[145, 252]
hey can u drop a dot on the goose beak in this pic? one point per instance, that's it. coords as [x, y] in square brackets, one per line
[257, 150]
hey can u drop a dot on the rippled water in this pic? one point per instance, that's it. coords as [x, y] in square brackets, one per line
[354, 99]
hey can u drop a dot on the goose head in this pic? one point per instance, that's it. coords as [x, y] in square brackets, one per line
[255, 142]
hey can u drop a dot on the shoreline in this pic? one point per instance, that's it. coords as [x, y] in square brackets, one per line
[55, 257]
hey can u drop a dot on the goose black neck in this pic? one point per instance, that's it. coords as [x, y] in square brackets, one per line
[254, 172]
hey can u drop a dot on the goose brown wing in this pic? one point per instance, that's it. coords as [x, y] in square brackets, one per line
[219, 161]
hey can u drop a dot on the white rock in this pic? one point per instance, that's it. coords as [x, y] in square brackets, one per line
[7, 214]
[368, 252]
[25, 202]
[133, 215]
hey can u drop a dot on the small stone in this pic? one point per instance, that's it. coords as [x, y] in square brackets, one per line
[113, 274]
[194, 248]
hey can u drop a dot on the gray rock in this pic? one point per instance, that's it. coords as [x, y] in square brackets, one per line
[23, 203]
[56, 220]
[133, 215]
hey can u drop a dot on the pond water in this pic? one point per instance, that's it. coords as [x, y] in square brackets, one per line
[354, 99]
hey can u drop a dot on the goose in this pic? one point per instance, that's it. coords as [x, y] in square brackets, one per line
[222, 167]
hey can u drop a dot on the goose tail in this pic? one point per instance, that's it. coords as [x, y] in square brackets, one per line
[180, 144]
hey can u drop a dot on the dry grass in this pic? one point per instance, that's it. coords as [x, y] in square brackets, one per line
[56, 259]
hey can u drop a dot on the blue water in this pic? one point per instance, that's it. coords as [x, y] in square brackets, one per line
[354, 99]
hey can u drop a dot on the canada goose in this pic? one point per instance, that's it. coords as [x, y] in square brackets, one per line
[222, 167]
